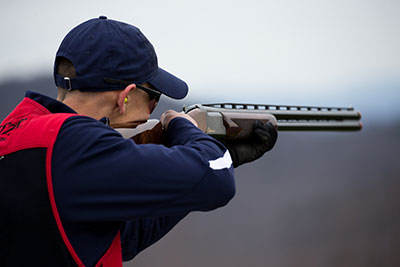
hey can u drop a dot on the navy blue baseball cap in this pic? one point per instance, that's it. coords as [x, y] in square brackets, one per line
[102, 50]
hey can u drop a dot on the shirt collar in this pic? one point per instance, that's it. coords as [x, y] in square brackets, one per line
[49, 103]
[55, 106]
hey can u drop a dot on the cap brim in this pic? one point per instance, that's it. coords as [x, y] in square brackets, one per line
[169, 84]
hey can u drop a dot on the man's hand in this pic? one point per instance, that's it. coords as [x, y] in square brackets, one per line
[263, 139]
[169, 115]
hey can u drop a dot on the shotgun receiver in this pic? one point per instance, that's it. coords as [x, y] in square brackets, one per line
[235, 121]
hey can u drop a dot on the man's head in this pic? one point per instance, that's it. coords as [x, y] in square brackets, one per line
[102, 55]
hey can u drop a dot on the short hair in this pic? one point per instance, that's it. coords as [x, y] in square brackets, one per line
[65, 68]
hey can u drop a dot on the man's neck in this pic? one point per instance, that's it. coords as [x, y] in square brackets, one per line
[90, 107]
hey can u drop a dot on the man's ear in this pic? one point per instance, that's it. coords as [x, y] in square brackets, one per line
[121, 97]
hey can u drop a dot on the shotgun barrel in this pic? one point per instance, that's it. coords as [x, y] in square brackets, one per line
[236, 120]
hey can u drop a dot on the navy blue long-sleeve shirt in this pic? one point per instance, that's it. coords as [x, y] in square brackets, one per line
[104, 183]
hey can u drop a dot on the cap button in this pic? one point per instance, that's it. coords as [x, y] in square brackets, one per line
[102, 17]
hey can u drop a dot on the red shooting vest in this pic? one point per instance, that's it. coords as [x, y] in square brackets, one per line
[31, 130]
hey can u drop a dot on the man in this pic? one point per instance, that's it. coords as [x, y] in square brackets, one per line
[73, 191]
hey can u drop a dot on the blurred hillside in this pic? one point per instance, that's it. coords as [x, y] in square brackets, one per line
[317, 199]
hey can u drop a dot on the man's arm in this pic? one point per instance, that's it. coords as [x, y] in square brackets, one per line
[139, 234]
[98, 175]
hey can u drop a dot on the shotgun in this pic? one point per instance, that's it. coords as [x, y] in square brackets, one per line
[235, 121]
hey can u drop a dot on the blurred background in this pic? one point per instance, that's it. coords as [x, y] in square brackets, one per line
[317, 199]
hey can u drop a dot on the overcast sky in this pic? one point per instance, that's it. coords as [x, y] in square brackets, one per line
[254, 45]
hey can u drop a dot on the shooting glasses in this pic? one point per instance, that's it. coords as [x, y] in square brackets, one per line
[153, 94]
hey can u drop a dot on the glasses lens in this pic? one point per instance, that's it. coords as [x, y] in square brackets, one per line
[153, 94]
